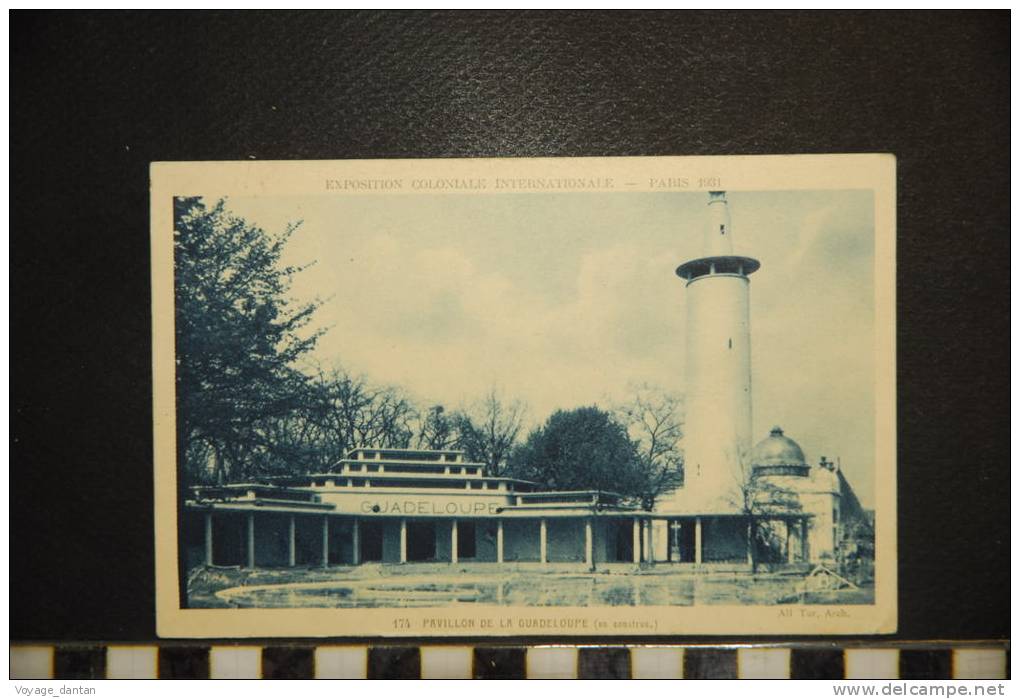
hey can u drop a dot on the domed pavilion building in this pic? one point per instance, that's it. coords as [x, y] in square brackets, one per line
[804, 499]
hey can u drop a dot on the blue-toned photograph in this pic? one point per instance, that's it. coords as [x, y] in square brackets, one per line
[549, 399]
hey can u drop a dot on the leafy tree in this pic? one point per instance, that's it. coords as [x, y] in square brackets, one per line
[654, 420]
[238, 337]
[581, 449]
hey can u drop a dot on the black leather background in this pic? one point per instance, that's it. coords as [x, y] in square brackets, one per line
[96, 97]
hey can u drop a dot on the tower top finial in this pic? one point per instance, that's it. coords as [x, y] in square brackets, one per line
[718, 239]
[717, 245]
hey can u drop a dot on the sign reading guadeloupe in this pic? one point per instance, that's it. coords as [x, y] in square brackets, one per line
[430, 507]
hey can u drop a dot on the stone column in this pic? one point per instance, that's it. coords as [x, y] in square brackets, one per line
[499, 541]
[790, 556]
[325, 541]
[697, 540]
[750, 540]
[250, 541]
[636, 536]
[805, 547]
[356, 542]
[674, 529]
[208, 539]
[403, 541]
[542, 541]
[647, 539]
[454, 533]
[292, 542]
[588, 552]
[651, 542]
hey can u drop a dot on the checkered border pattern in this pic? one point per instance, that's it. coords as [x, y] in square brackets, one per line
[985, 661]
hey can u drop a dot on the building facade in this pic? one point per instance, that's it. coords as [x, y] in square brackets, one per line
[405, 506]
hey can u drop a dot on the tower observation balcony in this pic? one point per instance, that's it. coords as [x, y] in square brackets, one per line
[723, 264]
[717, 246]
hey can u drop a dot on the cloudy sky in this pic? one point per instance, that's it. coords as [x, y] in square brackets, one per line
[566, 299]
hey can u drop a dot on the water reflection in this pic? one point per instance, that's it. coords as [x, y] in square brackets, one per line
[533, 590]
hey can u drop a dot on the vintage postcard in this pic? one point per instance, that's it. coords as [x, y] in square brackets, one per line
[581, 397]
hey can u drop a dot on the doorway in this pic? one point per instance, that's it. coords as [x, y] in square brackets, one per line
[421, 541]
[371, 542]
[466, 547]
[681, 541]
[624, 540]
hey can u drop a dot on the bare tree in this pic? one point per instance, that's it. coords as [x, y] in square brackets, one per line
[290, 444]
[489, 430]
[437, 429]
[350, 413]
[392, 419]
[654, 420]
[763, 500]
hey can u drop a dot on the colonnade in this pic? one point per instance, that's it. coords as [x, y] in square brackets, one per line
[642, 544]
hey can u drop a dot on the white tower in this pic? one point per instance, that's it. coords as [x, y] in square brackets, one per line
[718, 399]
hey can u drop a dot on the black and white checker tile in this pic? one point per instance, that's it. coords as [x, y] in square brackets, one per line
[295, 661]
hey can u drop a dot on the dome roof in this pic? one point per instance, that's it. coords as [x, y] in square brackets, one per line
[777, 450]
